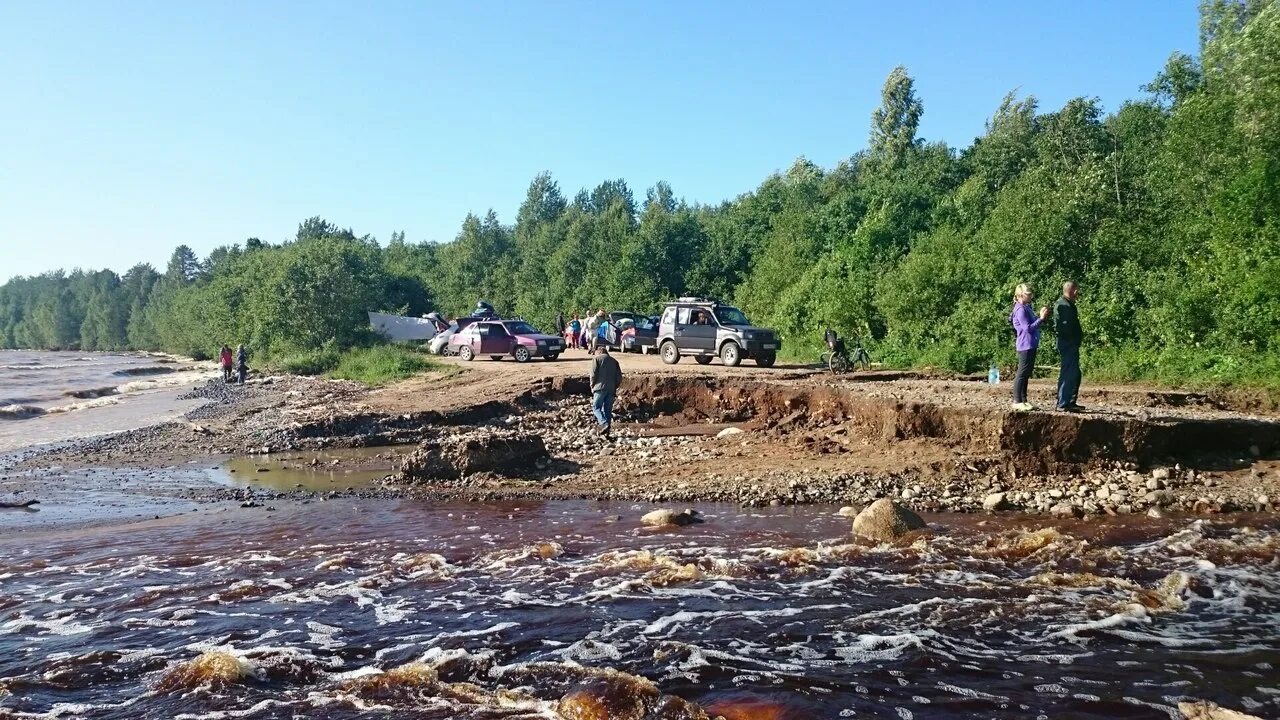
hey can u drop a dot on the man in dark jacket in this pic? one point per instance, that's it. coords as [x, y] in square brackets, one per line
[1066, 323]
[606, 375]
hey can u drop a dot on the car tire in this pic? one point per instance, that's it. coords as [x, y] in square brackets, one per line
[466, 353]
[702, 359]
[521, 354]
[766, 360]
[730, 354]
[670, 353]
[553, 356]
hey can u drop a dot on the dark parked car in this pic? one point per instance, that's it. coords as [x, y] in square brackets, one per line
[499, 338]
[706, 329]
[640, 336]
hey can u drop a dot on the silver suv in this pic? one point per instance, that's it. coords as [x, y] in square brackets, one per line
[706, 329]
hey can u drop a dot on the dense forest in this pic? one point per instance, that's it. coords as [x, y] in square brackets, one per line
[1167, 211]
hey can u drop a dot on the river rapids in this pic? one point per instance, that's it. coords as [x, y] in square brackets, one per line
[369, 609]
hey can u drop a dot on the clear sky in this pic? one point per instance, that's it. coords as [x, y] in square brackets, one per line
[128, 128]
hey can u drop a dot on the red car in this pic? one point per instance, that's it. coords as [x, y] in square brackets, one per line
[498, 338]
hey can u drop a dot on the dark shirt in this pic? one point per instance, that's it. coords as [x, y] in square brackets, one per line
[1066, 323]
[606, 374]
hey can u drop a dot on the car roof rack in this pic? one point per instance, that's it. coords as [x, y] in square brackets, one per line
[696, 300]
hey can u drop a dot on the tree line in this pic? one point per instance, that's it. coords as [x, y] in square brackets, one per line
[1166, 211]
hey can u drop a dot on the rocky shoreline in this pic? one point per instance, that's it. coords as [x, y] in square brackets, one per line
[752, 444]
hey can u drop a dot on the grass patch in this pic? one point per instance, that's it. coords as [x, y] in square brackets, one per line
[381, 364]
[310, 362]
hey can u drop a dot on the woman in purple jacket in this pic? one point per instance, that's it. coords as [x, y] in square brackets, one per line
[1027, 326]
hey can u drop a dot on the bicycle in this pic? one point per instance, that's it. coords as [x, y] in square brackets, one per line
[838, 359]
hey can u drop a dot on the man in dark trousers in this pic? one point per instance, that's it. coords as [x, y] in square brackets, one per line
[1066, 324]
[560, 324]
[606, 375]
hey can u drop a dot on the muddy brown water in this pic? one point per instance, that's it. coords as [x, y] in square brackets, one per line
[296, 613]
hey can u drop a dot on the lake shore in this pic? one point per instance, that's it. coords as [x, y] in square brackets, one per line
[686, 435]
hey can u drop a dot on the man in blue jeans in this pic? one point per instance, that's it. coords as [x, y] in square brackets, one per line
[1066, 323]
[606, 375]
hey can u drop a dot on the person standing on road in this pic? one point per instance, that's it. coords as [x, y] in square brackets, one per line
[593, 330]
[560, 324]
[606, 376]
[1066, 325]
[575, 332]
[1027, 326]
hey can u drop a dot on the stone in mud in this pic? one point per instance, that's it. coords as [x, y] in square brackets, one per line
[885, 520]
[1205, 710]
[1066, 510]
[504, 453]
[995, 501]
[665, 516]
[847, 511]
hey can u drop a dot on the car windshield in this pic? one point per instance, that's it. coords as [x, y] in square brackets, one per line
[731, 316]
[521, 328]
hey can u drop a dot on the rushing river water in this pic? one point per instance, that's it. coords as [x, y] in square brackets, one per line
[369, 609]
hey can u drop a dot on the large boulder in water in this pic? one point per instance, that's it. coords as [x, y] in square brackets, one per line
[665, 517]
[512, 454]
[885, 520]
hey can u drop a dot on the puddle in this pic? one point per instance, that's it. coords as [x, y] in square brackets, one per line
[321, 470]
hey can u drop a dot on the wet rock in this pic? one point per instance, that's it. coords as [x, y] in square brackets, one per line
[212, 669]
[666, 517]
[847, 511]
[1066, 510]
[505, 453]
[1155, 513]
[752, 709]
[995, 501]
[884, 520]
[607, 699]
[1205, 710]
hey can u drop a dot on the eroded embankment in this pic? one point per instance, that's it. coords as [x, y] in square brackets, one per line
[1032, 442]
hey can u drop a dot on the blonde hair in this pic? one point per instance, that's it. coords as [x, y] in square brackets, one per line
[1022, 289]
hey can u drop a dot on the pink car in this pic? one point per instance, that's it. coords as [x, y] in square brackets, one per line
[498, 338]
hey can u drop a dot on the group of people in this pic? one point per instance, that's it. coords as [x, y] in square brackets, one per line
[1066, 324]
[239, 361]
[583, 334]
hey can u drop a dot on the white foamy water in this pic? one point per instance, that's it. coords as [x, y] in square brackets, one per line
[472, 611]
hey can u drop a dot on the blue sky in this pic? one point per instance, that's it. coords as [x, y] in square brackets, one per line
[128, 128]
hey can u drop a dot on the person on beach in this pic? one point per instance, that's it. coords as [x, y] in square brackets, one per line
[242, 363]
[1066, 326]
[1027, 326]
[606, 375]
[225, 357]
